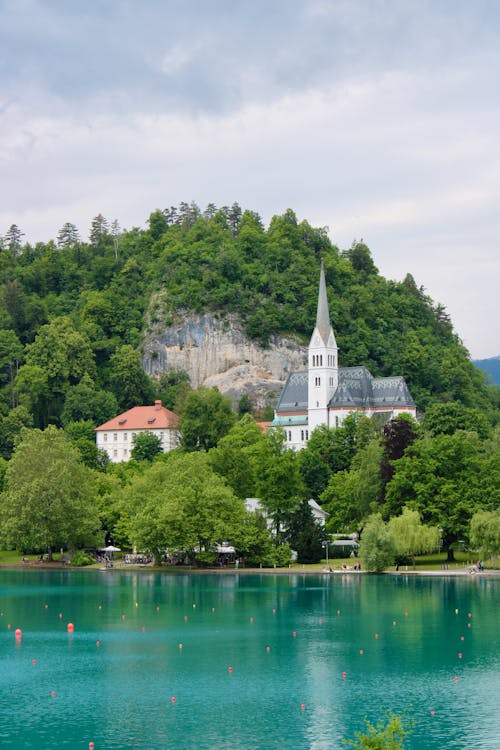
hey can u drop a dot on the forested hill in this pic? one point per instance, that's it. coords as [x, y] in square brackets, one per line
[73, 312]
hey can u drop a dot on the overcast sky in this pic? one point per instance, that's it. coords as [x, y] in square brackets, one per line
[379, 119]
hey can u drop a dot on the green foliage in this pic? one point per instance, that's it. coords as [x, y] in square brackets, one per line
[206, 417]
[128, 381]
[278, 557]
[411, 537]
[304, 535]
[377, 547]
[179, 503]
[485, 532]
[446, 478]
[48, 497]
[171, 387]
[80, 559]
[147, 445]
[277, 478]
[385, 735]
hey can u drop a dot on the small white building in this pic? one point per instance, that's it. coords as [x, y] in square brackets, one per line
[116, 436]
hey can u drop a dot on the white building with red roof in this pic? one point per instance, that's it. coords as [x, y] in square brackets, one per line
[116, 436]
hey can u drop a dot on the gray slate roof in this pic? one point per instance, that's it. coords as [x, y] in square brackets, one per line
[357, 389]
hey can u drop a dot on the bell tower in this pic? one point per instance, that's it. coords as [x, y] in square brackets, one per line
[323, 368]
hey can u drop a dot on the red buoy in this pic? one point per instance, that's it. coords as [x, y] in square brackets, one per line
[229, 669]
[302, 705]
[459, 655]
[98, 643]
[52, 693]
[91, 746]
[433, 713]
[70, 627]
[344, 675]
[268, 648]
[173, 699]
[33, 661]
[361, 651]
[376, 635]
[181, 646]
[456, 679]
[19, 633]
[294, 634]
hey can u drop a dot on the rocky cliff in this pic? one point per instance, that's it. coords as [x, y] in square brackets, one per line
[215, 351]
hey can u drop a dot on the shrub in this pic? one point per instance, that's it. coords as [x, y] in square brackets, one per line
[81, 558]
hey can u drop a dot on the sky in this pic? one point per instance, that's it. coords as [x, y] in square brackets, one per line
[379, 119]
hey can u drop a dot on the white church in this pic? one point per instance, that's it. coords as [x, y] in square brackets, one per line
[325, 393]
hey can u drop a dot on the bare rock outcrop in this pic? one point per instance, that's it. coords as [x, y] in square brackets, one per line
[215, 351]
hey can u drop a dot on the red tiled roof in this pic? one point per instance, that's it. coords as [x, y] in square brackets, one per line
[263, 425]
[155, 417]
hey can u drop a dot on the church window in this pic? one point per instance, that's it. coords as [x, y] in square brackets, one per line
[289, 436]
[333, 360]
[307, 434]
[302, 435]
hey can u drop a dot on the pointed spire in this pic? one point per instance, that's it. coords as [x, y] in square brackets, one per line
[323, 314]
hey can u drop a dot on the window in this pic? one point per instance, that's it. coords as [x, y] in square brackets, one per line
[125, 453]
[289, 436]
[105, 437]
[125, 436]
[307, 434]
[331, 381]
[115, 436]
[321, 360]
[115, 452]
[302, 435]
[161, 436]
[317, 381]
[336, 421]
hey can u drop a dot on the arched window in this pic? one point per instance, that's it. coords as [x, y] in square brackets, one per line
[289, 436]
[321, 360]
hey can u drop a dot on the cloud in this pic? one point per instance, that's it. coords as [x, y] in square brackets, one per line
[378, 121]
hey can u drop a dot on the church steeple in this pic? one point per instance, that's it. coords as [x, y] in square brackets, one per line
[323, 368]
[323, 315]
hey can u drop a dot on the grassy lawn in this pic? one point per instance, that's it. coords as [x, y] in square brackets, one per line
[435, 562]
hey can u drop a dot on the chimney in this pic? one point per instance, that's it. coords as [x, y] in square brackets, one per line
[157, 405]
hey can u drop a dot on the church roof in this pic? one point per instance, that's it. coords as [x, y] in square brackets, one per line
[357, 388]
[294, 394]
[323, 323]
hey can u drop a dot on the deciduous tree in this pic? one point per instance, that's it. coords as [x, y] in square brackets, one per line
[47, 502]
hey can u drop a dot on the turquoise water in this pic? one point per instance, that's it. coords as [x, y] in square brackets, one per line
[266, 661]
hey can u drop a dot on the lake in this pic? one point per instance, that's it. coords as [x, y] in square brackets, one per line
[240, 661]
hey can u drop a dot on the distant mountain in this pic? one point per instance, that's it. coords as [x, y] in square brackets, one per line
[490, 366]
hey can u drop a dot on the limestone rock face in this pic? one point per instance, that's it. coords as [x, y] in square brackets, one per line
[215, 351]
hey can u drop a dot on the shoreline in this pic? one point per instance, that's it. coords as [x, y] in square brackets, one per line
[56, 566]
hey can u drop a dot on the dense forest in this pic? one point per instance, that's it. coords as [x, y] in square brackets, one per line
[73, 314]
